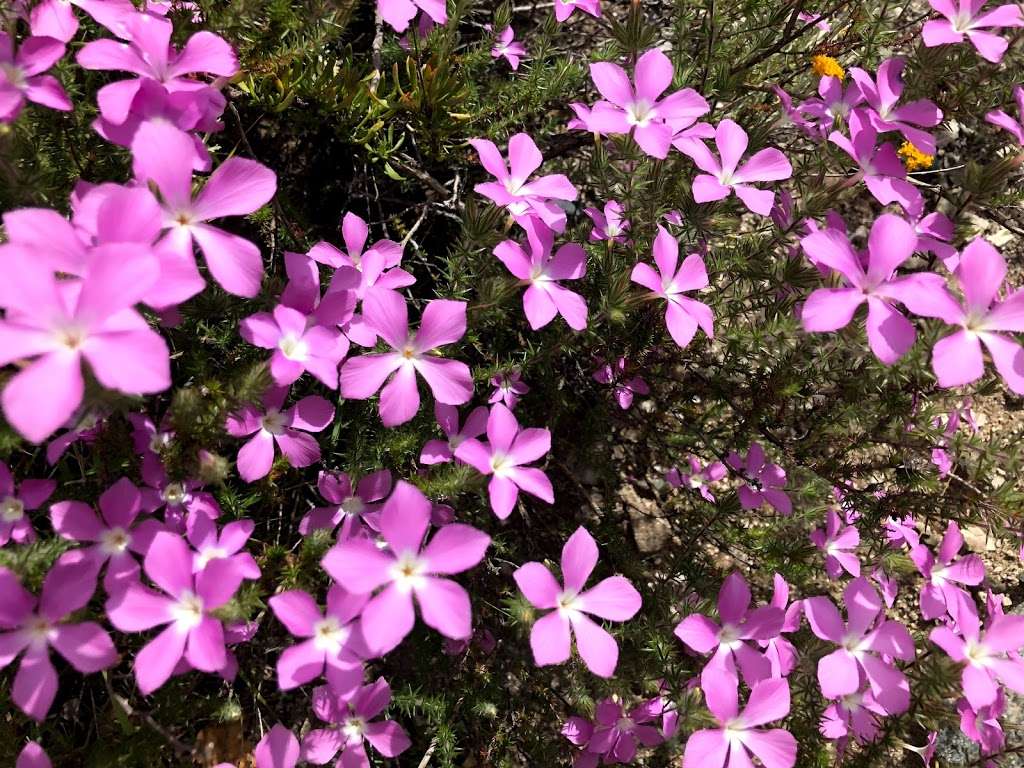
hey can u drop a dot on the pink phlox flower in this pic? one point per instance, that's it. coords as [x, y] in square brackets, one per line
[838, 542]
[441, 451]
[514, 190]
[279, 748]
[966, 18]
[84, 429]
[700, 477]
[792, 115]
[624, 386]
[892, 242]
[287, 428]
[299, 342]
[982, 726]
[337, 305]
[763, 481]
[34, 626]
[855, 715]
[332, 639]
[483, 638]
[408, 569]
[886, 114]
[982, 319]
[638, 108]
[225, 544]
[865, 640]
[164, 156]
[943, 571]
[504, 457]
[116, 535]
[733, 642]
[724, 175]
[889, 587]
[900, 532]
[612, 599]
[739, 735]
[56, 18]
[834, 102]
[148, 439]
[990, 656]
[610, 223]
[181, 500]
[1002, 120]
[879, 166]
[149, 55]
[683, 315]
[505, 47]
[782, 211]
[17, 499]
[186, 607]
[422, 29]
[33, 756]
[582, 119]
[618, 732]
[22, 78]
[63, 323]
[817, 20]
[542, 273]
[578, 730]
[350, 505]
[443, 322]
[377, 265]
[353, 722]
[508, 388]
[934, 233]
[564, 8]
[780, 652]
[398, 13]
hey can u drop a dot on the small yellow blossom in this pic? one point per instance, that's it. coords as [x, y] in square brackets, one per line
[826, 66]
[914, 158]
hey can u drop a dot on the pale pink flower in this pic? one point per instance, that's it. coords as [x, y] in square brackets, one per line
[780, 652]
[33, 756]
[55, 18]
[377, 265]
[353, 723]
[279, 748]
[22, 78]
[943, 571]
[508, 388]
[833, 103]
[617, 732]
[226, 544]
[613, 599]
[885, 114]
[879, 166]
[855, 715]
[966, 18]
[624, 385]
[1002, 120]
[16, 499]
[763, 481]
[838, 542]
[406, 569]
[609, 224]
[564, 8]
[982, 726]
[300, 343]
[506, 47]
[700, 477]
[441, 451]
[398, 13]
[181, 500]
[349, 505]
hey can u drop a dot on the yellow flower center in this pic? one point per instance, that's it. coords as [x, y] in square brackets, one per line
[826, 66]
[914, 158]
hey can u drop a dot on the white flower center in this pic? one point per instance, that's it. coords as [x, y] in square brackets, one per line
[273, 421]
[407, 572]
[14, 76]
[568, 603]
[851, 701]
[210, 553]
[71, 337]
[514, 186]
[188, 611]
[329, 635]
[173, 494]
[625, 724]
[158, 441]
[500, 465]
[293, 348]
[728, 634]
[639, 113]
[38, 630]
[11, 509]
[976, 653]
[352, 506]
[354, 726]
[115, 541]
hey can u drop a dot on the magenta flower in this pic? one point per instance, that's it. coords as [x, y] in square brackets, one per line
[443, 322]
[34, 626]
[934, 232]
[333, 640]
[408, 568]
[780, 652]
[983, 726]
[150, 56]
[731, 643]
[838, 541]
[700, 477]
[627, 109]
[900, 532]
[226, 544]
[181, 501]
[1002, 120]
[192, 632]
[22, 78]
[990, 658]
[625, 386]
[541, 271]
[834, 103]
[441, 451]
[682, 315]
[609, 224]
[352, 723]
[856, 714]
[957, 358]
[398, 13]
[348, 505]
[377, 265]
[117, 537]
[286, 428]
[967, 18]
[879, 166]
[279, 748]
[514, 190]
[863, 640]
[885, 114]
[300, 344]
[506, 47]
[613, 599]
[763, 481]
[163, 155]
[33, 756]
[15, 501]
[504, 456]
[55, 18]
[943, 570]
[892, 241]
[564, 8]
[724, 175]
[617, 732]
[98, 326]
[739, 736]
[508, 388]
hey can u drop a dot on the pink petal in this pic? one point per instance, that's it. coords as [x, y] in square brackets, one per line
[169, 564]
[43, 396]
[156, 661]
[387, 619]
[550, 639]
[537, 584]
[256, 457]
[579, 556]
[35, 684]
[234, 262]
[775, 748]
[698, 632]
[299, 664]
[957, 359]
[612, 82]
[455, 548]
[838, 674]
[278, 749]
[768, 702]
[706, 749]
[614, 598]
[359, 565]
[445, 606]
[297, 610]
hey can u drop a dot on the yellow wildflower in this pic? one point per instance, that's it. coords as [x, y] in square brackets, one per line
[914, 158]
[826, 66]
